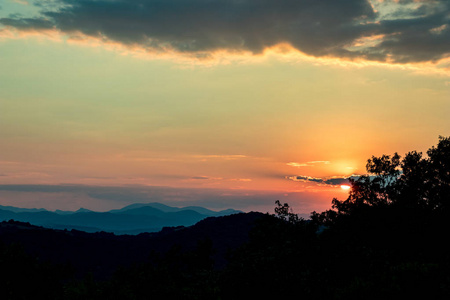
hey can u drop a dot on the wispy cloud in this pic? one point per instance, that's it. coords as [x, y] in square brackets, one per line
[387, 31]
[29, 174]
[220, 178]
[24, 2]
[220, 156]
[143, 156]
[201, 178]
[241, 179]
[296, 164]
[308, 164]
[5, 162]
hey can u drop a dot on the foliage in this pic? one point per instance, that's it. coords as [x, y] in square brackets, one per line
[412, 183]
[284, 212]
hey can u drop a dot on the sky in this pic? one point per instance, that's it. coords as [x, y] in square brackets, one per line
[217, 103]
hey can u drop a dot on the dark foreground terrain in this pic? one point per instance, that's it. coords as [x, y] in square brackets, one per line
[387, 240]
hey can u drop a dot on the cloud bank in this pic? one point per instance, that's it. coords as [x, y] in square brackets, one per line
[388, 31]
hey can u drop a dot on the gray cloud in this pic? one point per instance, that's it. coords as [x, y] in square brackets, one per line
[324, 181]
[421, 38]
[318, 28]
[337, 181]
[200, 178]
[27, 23]
[305, 178]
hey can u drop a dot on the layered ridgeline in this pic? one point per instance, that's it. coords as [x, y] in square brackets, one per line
[132, 219]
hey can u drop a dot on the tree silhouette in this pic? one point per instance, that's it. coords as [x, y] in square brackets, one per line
[413, 183]
[284, 212]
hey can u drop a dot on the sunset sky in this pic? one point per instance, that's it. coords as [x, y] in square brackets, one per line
[218, 103]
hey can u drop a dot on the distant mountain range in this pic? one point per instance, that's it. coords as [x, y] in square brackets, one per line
[132, 219]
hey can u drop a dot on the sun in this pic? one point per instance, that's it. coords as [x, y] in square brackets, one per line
[345, 187]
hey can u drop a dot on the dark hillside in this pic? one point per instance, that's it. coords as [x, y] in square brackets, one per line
[101, 253]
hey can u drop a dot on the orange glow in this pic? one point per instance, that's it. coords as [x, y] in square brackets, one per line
[345, 187]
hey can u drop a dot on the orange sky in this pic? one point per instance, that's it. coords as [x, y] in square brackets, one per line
[282, 117]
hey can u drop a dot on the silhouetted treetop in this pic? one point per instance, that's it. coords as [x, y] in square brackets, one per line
[284, 212]
[414, 183]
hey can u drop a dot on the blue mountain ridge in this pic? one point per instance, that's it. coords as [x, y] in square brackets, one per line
[132, 219]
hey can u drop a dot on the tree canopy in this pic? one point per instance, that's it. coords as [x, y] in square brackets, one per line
[415, 182]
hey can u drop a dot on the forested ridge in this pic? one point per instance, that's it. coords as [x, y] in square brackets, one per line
[388, 239]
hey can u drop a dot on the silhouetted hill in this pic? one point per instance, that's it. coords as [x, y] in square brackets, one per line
[101, 253]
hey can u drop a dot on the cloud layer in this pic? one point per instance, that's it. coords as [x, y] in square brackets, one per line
[395, 31]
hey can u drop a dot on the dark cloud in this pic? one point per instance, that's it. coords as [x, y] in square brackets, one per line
[27, 23]
[307, 178]
[318, 28]
[337, 181]
[324, 181]
[200, 177]
[425, 38]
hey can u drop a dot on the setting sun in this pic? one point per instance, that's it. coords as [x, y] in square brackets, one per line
[345, 187]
